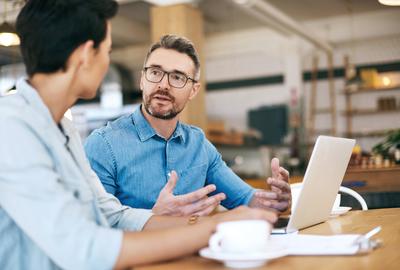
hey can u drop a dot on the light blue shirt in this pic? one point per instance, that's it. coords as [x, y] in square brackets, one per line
[133, 162]
[54, 212]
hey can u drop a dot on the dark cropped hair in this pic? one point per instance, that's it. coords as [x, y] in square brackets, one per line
[179, 44]
[50, 30]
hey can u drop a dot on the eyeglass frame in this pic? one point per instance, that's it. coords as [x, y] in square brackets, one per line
[168, 72]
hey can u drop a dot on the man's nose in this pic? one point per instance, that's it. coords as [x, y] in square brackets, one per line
[164, 84]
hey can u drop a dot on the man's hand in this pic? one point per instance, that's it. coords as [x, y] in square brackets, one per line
[194, 203]
[280, 196]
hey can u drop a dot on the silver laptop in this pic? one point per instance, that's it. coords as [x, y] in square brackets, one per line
[321, 183]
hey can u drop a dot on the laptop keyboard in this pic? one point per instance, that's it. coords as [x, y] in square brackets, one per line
[282, 222]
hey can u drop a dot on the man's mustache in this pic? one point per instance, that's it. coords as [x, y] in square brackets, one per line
[163, 93]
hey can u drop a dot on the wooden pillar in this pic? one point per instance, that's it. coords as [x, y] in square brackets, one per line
[184, 20]
[313, 98]
[332, 94]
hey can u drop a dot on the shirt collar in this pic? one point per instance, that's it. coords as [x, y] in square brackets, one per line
[146, 131]
[32, 97]
[178, 133]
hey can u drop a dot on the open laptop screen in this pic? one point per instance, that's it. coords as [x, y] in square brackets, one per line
[324, 174]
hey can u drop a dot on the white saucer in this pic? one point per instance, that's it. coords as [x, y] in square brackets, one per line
[340, 210]
[239, 260]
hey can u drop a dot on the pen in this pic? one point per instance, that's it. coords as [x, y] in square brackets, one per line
[372, 232]
[365, 243]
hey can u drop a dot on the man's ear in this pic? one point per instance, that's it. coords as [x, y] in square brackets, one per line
[141, 84]
[87, 53]
[81, 56]
[195, 89]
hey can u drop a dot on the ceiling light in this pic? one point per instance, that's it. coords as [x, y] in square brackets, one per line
[390, 2]
[8, 37]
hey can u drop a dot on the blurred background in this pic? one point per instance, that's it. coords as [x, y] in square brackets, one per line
[275, 75]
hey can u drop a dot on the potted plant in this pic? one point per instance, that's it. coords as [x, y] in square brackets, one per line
[388, 145]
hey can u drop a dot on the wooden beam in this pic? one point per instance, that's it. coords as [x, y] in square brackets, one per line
[126, 31]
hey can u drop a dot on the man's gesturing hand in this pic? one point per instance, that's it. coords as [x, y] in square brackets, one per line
[194, 203]
[280, 196]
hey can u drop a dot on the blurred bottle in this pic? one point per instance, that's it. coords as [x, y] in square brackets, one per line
[111, 96]
[397, 154]
[356, 156]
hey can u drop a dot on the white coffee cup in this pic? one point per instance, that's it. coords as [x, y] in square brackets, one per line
[245, 236]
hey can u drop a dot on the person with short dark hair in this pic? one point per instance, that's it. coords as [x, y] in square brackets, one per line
[151, 160]
[54, 212]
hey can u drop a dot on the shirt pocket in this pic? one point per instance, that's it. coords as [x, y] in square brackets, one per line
[191, 179]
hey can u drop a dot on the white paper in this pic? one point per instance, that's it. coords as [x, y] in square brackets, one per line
[307, 244]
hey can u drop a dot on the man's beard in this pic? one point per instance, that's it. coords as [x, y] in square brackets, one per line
[165, 116]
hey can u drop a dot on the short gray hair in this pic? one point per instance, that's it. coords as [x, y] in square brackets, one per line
[179, 44]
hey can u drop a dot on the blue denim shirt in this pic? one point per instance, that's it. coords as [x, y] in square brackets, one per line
[54, 212]
[133, 162]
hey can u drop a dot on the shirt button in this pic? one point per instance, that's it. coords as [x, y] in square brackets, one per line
[76, 194]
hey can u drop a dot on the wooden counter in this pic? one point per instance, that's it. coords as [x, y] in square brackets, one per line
[262, 183]
[373, 180]
[361, 180]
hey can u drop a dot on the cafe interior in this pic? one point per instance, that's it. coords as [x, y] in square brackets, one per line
[275, 76]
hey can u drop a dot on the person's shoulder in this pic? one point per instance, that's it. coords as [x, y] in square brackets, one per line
[12, 105]
[21, 122]
[115, 127]
[193, 130]
[15, 110]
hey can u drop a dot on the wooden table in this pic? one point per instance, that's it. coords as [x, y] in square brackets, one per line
[386, 257]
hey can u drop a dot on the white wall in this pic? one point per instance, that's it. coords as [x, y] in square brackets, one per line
[243, 55]
[368, 38]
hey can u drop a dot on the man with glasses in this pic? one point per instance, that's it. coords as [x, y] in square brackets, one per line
[140, 157]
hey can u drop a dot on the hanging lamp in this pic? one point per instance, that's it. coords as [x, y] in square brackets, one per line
[8, 36]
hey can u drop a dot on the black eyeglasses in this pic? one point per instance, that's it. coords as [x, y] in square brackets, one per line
[175, 79]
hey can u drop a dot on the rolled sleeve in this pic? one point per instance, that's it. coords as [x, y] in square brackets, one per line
[236, 190]
[121, 216]
[134, 219]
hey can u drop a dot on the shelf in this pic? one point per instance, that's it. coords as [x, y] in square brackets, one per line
[323, 111]
[375, 133]
[382, 169]
[369, 90]
[369, 111]
[326, 131]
